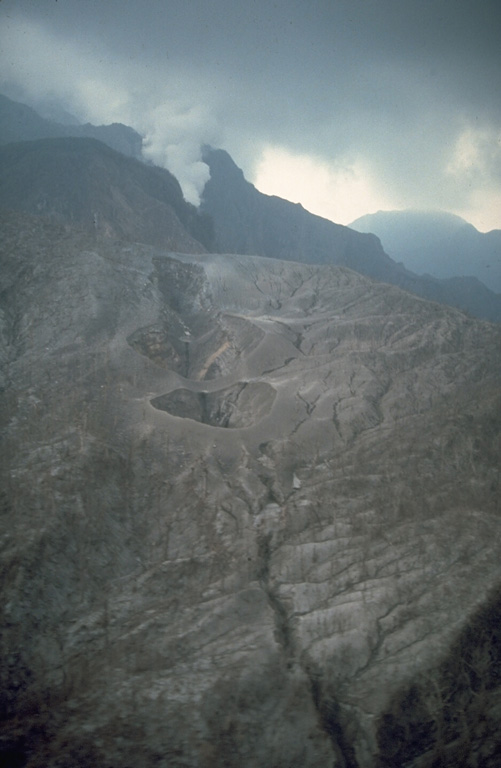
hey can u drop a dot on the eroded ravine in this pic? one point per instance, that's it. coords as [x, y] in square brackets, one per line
[278, 572]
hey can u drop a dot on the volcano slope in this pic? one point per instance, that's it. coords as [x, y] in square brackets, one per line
[250, 514]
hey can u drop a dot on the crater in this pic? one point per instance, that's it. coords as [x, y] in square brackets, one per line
[208, 350]
[160, 346]
[241, 405]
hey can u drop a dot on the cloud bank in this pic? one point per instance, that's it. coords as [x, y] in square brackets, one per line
[373, 105]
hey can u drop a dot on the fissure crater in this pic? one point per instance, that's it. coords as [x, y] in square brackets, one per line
[241, 405]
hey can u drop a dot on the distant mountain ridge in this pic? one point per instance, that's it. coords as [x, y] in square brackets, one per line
[19, 122]
[249, 222]
[437, 243]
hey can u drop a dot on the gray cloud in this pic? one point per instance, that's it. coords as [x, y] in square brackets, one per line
[401, 85]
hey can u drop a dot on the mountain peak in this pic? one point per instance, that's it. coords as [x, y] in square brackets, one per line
[221, 164]
[414, 218]
[437, 243]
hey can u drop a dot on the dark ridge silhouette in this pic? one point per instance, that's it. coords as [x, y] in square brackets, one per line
[247, 221]
[85, 182]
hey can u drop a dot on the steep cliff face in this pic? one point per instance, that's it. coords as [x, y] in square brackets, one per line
[250, 513]
[246, 221]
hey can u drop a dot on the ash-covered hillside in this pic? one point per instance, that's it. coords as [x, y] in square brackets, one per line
[250, 513]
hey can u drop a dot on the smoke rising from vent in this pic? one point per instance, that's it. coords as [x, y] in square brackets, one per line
[173, 140]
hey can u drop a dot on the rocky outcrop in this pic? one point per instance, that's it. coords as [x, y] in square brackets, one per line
[316, 585]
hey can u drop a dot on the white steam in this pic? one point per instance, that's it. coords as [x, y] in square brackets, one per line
[173, 140]
[102, 90]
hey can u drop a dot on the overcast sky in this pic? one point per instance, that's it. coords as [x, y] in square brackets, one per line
[347, 106]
